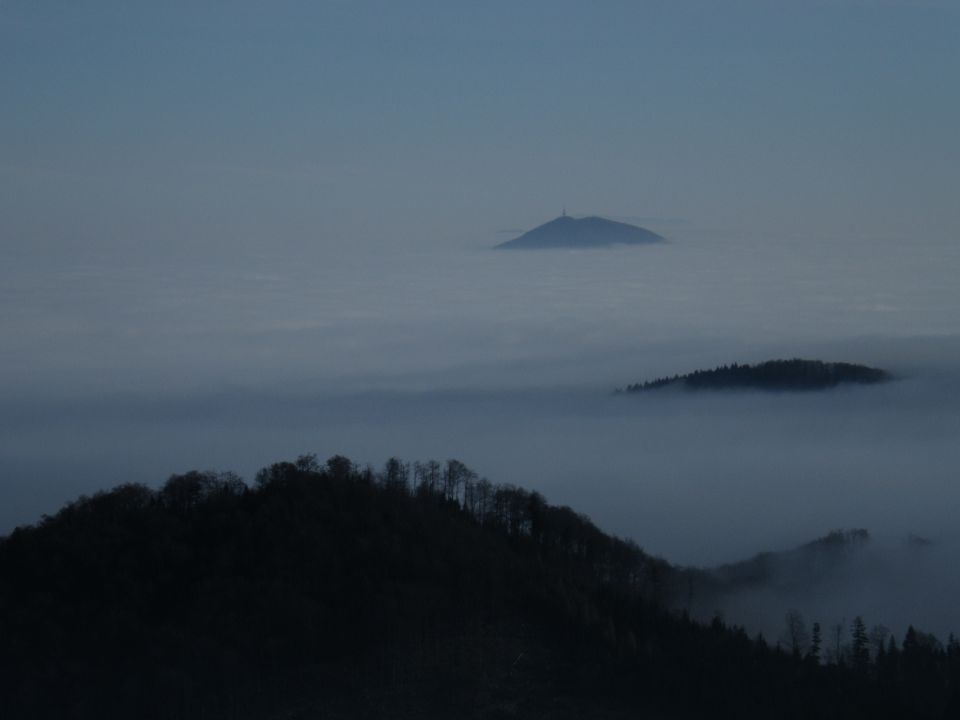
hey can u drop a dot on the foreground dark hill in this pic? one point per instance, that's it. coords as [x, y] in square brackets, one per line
[795, 374]
[568, 232]
[331, 591]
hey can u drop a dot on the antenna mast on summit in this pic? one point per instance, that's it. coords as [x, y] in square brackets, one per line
[564, 210]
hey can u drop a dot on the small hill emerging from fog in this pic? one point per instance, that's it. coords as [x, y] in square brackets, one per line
[793, 374]
[568, 232]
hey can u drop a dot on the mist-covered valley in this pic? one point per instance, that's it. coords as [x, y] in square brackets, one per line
[490, 360]
[118, 372]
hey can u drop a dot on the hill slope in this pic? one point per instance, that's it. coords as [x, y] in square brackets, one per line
[568, 232]
[330, 591]
[811, 566]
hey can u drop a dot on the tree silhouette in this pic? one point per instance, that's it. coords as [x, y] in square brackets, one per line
[815, 642]
[859, 645]
[795, 634]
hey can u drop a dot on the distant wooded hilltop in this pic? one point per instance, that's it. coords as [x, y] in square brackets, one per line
[795, 374]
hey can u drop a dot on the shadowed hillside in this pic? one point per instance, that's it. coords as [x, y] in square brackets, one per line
[332, 591]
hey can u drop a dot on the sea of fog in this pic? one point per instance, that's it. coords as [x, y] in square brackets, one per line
[130, 368]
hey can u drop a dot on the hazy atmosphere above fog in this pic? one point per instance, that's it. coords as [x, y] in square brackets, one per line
[139, 129]
[231, 233]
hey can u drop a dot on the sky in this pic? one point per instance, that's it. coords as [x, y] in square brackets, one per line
[231, 233]
[185, 129]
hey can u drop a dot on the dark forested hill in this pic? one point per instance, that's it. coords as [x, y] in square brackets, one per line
[793, 374]
[332, 591]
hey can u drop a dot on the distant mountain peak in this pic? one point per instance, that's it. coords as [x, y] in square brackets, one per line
[566, 231]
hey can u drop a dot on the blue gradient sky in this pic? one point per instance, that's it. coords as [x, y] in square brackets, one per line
[140, 128]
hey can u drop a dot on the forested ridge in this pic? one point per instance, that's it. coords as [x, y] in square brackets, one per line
[333, 590]
[794, 374]
[803, 564]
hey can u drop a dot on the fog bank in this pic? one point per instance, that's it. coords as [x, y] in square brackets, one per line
[508, 362]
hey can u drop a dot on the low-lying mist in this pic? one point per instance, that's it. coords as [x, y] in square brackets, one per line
[509, 364]
[889, 584]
